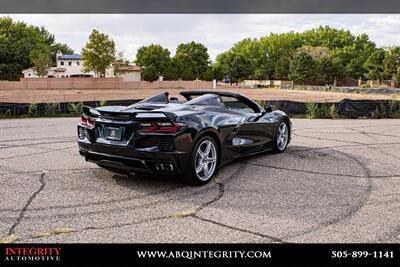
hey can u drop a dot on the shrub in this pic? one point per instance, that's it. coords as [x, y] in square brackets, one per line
[321, 111]
[53, 109]
[333, 112]
[32, 110]
[390, 110]
[312, 110]
[102, 103]
[75, 109]
[365, 85]
[6, 114]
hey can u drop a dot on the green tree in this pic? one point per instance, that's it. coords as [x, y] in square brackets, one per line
[325, 70]
[121, 64]
[303, 68]
[171, 70]
[17, 40]
[237, 67]
[99, 53]
[154, 61]
[391, 62]
[282, 68]
[214, 71]
[192, 60]
[269, 55]
[374, 65]
[150, 73]
[41, 59]
[273, 48]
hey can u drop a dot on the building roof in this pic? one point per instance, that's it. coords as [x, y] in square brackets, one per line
[27, 70]
[71, 56]
[125, 67]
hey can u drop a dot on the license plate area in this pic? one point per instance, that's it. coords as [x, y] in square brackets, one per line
[113, 133]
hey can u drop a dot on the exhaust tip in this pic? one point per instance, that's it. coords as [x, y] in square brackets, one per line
[159, 166]
[164, 167]
[169, 167]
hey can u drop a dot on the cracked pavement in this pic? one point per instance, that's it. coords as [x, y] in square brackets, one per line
[339, 181]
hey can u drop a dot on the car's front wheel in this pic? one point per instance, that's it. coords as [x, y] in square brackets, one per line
[282, 137]
[204, 161]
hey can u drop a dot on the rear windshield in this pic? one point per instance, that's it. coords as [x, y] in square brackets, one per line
[206, 100]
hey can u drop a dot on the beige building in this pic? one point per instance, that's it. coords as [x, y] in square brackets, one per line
[71, 66]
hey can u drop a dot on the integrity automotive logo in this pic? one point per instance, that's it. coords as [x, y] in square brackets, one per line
[32, 254]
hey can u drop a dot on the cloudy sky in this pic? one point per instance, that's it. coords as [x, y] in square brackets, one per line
[217, 31]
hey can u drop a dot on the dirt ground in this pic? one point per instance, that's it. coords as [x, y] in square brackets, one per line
[43, 96]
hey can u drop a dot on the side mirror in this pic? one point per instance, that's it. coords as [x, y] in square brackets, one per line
[268, 108]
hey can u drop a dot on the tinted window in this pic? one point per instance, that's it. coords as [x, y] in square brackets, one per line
[206, 100]
[235, 104]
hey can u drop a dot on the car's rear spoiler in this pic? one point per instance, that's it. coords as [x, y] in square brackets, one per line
[140, 115]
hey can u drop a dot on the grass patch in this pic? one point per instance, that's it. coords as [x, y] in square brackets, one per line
[390, 110]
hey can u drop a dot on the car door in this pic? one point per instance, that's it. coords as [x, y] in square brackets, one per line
[252, 134]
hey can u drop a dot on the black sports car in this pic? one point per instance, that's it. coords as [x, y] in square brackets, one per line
[162, 135]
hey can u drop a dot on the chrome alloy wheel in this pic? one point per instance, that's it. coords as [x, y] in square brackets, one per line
[205, 160]
[282, 137]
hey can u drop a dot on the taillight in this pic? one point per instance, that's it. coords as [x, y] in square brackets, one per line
[86, 120]
[161, 127]
[83, 120]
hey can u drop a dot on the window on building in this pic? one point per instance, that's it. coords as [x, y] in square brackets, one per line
[70, 63]
[78, 63]
[62, 63]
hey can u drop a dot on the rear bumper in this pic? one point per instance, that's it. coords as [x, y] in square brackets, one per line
[146, 161]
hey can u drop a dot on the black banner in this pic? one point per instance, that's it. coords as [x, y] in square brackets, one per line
[201, 6]
[200, 254]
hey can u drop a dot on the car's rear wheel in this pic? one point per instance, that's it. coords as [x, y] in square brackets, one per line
[204, 162]
[282, 137]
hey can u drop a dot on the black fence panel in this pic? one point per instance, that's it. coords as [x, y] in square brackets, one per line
[359, 108]
[20, 109]
[346, 108]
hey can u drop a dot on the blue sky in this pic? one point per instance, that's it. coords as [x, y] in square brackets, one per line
[217, 31]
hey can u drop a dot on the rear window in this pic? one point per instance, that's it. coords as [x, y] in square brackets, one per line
[206, 100]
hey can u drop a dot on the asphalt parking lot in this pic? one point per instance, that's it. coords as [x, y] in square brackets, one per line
[339, 181]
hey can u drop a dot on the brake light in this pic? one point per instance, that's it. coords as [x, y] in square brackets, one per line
[83, 120]
[161, 127]
[86, 120]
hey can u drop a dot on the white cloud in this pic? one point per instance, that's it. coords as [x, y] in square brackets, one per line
[217, 31]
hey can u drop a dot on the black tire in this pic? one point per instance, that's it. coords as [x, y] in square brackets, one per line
[192, 178]
[277, 147]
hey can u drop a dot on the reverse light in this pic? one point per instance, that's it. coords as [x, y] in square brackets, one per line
[81, 132]
[161, 127]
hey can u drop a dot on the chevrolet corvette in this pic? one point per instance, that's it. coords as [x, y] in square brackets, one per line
[162, 135]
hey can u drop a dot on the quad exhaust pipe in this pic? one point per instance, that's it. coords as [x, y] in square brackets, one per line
[164, 167]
